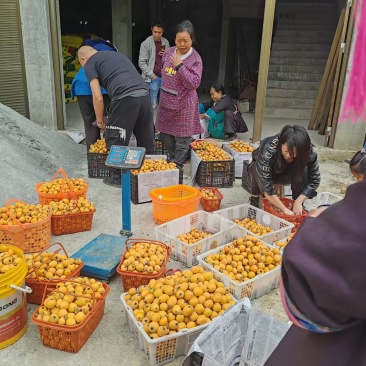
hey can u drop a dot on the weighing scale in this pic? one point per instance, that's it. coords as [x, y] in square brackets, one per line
[125, 158]
[102, 255]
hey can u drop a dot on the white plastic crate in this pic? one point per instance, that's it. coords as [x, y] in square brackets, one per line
[324, 198]
[165, 349]
[254, 288]
[219, 227]
[281, 228]
[239, 158]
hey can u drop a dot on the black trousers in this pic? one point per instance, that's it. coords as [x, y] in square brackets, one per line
[298, 184]
[127, 115]
[234, 122]
[87, 112]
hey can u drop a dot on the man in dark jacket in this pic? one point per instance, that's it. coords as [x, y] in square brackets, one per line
[130, 108]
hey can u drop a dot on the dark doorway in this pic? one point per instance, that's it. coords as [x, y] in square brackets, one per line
[86, 17]
[206, 16]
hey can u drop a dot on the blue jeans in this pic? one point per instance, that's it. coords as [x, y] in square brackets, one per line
[154, 87]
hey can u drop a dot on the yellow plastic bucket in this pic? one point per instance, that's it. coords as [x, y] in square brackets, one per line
[13, 300]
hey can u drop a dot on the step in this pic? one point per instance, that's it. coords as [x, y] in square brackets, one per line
[297, 68]
[300, 54]
[305, 27]
[296, 60]
[308, 33]
[318, 16]
[288, 113]
[302, 40]
[289, 93]
[307, 6]
[277, 102]
[293, 85]
[278, 46]
[310, 22]
[294, 76]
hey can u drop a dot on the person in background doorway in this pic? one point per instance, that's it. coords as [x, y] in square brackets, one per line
[225, 120]
[150, 59]
[81, 89]
[178, 116]
[287, 158]
[130, 108]
[358, 165]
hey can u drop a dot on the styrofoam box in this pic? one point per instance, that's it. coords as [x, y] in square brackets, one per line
[281, 228]
[165, 349]
[218, 226]
[148, 181]
[204, 124]
[324, 198]
[254, 288]
[239, 157]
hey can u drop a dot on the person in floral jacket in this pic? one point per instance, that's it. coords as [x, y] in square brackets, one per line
[178, 113]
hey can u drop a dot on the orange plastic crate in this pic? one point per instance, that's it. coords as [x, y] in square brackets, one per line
[30, 237]
[211, 204]
[172, 202]
[134, 279]
[46, 198]
[72, 223]
[66, 338]
[294, 219]
[38, 286]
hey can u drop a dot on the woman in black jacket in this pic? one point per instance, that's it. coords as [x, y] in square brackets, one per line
[287, 158]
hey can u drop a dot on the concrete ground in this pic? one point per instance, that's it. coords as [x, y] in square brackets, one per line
[112, 343]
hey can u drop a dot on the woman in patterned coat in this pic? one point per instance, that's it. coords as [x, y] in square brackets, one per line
[178, 113]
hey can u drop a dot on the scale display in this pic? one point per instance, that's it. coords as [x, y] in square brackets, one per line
[125, 157]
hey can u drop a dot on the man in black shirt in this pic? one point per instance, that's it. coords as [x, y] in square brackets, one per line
[130, 109]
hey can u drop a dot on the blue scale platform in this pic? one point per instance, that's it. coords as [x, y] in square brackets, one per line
[101, 256]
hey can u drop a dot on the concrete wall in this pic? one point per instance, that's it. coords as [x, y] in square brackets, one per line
[122, 26]
[350, 136]
[38, 62]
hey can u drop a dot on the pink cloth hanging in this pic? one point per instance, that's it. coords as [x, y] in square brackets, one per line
[354, 106]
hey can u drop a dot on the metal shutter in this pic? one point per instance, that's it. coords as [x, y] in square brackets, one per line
[13, 91]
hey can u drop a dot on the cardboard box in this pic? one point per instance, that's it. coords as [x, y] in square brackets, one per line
[142, 184]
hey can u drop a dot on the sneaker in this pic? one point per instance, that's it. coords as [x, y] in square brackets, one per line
[113, 181]
[230, 137]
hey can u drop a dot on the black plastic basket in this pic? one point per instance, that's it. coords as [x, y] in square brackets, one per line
[134, 187]
[159, 148]
[219, 174]
[96, 165]
[246, 180]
